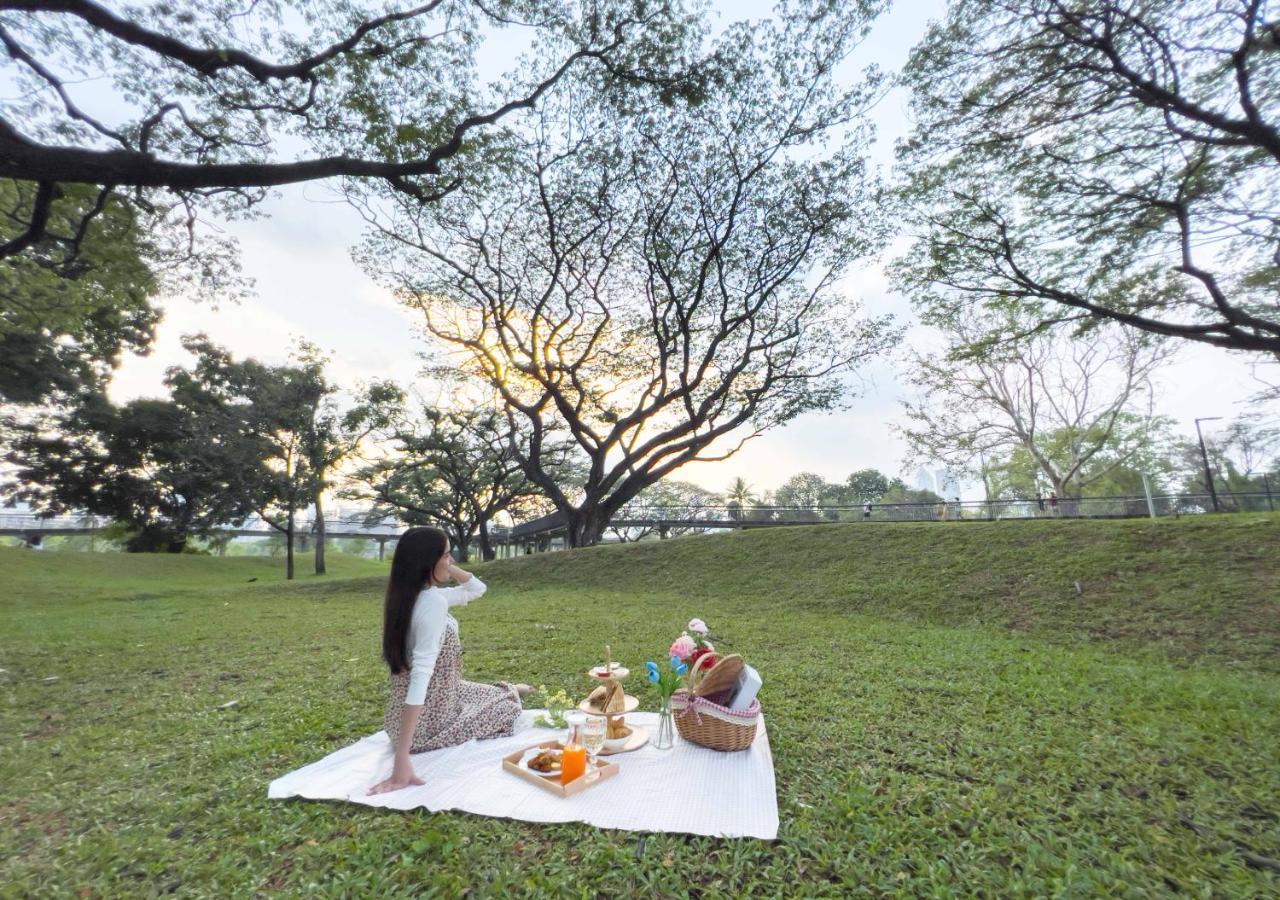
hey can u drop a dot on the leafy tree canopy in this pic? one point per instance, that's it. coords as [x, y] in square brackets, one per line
[162, 467]
[1088, 161]
[661, 283]
[208, 95]
[64, 325]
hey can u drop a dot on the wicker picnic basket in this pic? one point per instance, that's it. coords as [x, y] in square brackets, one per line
[702, 721]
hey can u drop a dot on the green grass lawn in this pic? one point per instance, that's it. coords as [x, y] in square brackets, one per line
[1022, 708]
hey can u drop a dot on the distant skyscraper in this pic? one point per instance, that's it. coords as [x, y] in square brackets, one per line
[947, 486]
[939, 481]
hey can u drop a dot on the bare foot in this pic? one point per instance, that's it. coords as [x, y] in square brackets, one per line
[522, 690]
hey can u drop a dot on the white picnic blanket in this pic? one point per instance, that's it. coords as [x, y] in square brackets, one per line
[686, 789]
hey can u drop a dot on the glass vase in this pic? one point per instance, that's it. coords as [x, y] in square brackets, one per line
[665, 737]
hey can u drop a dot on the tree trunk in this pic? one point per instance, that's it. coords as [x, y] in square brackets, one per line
[486, 548]
[288, 548]
[585, 526]
[461, 543]
[177, 542]
[1060, 484]
[986, 491]
[319, 534]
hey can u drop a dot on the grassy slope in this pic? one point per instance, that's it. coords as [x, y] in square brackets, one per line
[67, 574]
[1190, 588]
[948, 713]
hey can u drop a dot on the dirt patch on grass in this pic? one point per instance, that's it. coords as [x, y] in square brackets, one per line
[50, 724]
[18, 816]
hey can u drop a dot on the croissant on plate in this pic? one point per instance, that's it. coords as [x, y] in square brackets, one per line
[546, 761]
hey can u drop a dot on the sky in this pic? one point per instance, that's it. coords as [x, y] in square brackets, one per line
[306, 285]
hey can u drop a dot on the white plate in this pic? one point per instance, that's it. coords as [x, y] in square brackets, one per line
[629, 704]
[619, 671]
[530, 754]
[638, 738]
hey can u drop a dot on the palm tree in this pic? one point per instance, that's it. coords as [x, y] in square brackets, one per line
[740, 491]
[739, 496]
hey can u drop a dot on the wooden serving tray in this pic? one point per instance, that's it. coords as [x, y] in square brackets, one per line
[606, 770]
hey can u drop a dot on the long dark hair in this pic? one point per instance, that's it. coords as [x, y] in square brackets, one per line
[417, 552]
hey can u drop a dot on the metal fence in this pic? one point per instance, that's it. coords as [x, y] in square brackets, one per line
[674, 520]
[337, 526]
[954, 510]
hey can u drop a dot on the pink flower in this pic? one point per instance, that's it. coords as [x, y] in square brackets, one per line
[697, 626]
[682, 648]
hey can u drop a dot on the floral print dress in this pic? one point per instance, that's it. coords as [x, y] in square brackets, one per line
[454, 710]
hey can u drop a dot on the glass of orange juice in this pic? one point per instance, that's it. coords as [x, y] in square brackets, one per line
[573, 758]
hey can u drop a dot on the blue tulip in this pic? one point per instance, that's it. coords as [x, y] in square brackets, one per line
[680, 667]
[652, 668]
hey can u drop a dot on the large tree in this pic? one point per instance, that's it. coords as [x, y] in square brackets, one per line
[867, 486]
[806, 489]
[140, 120]
[1063, 401]
[1101, 161]
[1141, 447]
[805, 493]
[281, 407]
[161, 467]
[205, 99]
[333, 432]
[1253, 443]
[670, 500]
[661, 282]
[1242, 457]
[454, 469]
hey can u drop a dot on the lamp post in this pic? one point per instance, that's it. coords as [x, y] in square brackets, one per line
[1204, 455]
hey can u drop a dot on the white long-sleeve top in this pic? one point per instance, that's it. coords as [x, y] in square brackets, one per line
[426, 632]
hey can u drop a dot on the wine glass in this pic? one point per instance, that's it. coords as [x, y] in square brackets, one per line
[593, 738]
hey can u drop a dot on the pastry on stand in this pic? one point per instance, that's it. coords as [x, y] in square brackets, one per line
[611, 701]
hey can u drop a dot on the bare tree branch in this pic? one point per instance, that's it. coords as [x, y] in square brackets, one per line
[225, 123]
[1116, 159]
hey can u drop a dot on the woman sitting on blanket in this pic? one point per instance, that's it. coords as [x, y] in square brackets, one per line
[430, 705]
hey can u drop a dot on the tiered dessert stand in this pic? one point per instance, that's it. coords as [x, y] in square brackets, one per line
[611, 671]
